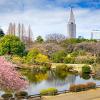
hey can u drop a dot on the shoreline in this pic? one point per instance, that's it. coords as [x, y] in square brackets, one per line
[93, 94]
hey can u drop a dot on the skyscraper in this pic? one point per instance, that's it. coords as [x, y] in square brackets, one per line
[71, 27]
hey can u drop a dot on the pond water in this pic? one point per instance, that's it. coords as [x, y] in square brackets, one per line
[34, 88]
[61, 81]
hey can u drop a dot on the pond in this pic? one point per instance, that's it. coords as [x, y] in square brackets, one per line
[60, 80]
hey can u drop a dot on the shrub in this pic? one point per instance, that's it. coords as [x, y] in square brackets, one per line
[69, 60]
[31, 56]
[86, 69]
[21, 94]
[63, 67]
[41, 58]
[77, 88]
[49, 91]
[7, 96]
[82, 87]
[58, 56]
[91, 85]
[85, 59]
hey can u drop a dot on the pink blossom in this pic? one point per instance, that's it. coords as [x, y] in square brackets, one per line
[10, 79]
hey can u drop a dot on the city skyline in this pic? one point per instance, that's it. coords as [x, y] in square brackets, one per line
[51, 16]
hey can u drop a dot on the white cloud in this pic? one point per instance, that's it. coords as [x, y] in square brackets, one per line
[53, 21]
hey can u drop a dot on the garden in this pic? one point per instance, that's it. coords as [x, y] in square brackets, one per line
[28, 71]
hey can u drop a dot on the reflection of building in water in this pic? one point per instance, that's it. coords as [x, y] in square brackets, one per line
[56, 81]
[20, 31]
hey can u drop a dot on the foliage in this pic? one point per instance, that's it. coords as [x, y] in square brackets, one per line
[75, 41]
[40, 58]
[86, 69]
[39, 39]
[10, 44]
[49, 91]
[7, 96]
[58, 57]
[82, 87]
[10, 79]
[31, 56]
[1, 33]
[91, 85]
[98, 60]
[85, 59]
[69, 59]
[62, 67]
[17, 59]
[21, 94]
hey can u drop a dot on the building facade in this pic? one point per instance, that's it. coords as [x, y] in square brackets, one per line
[71, 27]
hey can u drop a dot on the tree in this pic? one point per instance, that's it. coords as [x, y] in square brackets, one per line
[39, 39]
[10, 79]
[1, 33]
[10, 44]
[56, 37]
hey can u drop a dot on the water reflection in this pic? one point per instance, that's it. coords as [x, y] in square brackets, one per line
[86, 76]
[51, 78]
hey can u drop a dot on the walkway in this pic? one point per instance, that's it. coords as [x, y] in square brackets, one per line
[85, 95]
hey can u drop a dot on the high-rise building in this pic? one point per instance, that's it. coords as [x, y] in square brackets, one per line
[71, 27]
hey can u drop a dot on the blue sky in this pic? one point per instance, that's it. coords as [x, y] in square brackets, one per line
[51, 16]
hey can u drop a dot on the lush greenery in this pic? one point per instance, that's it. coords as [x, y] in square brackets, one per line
[68, 51]
[86, 69]
[11, 45]
[49, 91]
[1, 33]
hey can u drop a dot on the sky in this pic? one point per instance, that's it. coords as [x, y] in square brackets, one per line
[51, 16]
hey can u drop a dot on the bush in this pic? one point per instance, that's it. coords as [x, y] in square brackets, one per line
[77, 88]
[40, 58]
[86, 69]
[82, 87]
[7, 96]
[21, 94]
[91, 85]
[31, 56]
[49, 91]
[58, 56]
[85, 59]
[63, 68]
[69, 60]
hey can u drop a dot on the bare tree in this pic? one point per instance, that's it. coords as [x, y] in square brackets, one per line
[55, 37]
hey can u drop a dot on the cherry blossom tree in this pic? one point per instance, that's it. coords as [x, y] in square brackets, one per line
[10, 79]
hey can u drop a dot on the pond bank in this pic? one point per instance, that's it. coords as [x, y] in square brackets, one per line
[76, 67]
[85, 95]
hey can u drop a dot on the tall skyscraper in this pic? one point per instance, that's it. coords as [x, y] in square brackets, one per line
[71, 27]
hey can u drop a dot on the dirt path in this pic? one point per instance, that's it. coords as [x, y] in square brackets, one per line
[85, 95]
